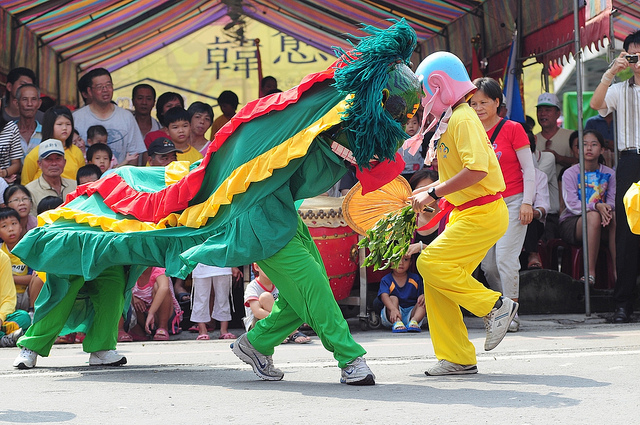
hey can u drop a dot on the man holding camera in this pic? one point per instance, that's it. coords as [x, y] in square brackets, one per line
[624, 98]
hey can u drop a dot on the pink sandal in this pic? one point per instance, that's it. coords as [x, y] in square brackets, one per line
[161, 335]
[227, 336]
[203, 337]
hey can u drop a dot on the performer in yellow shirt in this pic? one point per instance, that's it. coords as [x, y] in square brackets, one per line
[471, 182]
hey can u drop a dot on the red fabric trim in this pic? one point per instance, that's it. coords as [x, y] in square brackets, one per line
[379, 174]
[446, 207]
[120, 197]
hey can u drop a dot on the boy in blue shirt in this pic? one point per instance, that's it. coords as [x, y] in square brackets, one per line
[402, 294]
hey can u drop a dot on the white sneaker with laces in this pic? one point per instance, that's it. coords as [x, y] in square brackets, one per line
[26, 359]
[357, 373]
[497, 322]
[107, 358]
[445, 367]
[262, 365]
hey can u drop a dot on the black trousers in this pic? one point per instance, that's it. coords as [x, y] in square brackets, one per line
[627, 243]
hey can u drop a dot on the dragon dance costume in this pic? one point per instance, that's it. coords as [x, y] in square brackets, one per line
[236, 206]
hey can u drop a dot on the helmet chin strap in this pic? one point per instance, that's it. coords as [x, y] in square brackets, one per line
[415, 141]
[443, 123]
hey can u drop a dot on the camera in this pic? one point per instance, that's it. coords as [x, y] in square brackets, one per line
[631, 58]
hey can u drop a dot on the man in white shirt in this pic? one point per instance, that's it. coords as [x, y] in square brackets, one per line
[624, 98]
[124, 136]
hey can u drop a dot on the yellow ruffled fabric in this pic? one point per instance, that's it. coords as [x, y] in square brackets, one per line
[195, 216]
[632, 207]
[175, 171]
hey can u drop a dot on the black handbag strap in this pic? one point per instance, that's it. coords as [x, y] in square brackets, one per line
[495, 133]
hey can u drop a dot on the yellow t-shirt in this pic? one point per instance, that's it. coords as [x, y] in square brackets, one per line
[31, 170]
[18, 268]
[465, 145]
[190, 154]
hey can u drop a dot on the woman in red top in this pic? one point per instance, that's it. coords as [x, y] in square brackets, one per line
[501, 264]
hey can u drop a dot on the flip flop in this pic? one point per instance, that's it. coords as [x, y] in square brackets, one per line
[296, 335]
[592, 280]
[161, 335]
[399, 327]
[227, 336]
[194, 329]
[414, 326]
[203, 337]
[183, 297]
[124, 337]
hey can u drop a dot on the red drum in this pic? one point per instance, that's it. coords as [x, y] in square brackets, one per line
[336, 241]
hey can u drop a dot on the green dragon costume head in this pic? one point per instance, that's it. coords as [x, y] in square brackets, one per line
[383, 92]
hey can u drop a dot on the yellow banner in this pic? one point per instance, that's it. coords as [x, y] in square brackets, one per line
[203, 64]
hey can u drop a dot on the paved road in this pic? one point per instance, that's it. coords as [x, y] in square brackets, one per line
[565, 369]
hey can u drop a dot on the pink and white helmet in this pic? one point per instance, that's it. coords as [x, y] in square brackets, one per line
[445, 81]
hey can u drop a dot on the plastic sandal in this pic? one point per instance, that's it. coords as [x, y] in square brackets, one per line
[399, 327]
[227, 336]
[592, 280]
[124, 337]
[203, 337]
[161, 335]
[294, 338]
[414, 326]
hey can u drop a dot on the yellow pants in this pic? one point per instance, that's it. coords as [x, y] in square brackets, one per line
[446, 266]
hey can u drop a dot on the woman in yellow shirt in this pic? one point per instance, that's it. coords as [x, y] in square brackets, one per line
[57, 124]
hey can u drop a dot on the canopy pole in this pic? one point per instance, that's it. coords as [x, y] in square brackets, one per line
[583, 200]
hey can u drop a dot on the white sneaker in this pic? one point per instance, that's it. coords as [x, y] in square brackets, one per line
[357, 373]
[262, 365]
[26, 359]
[514, 326]
[497, 322]
[107, 358]
[445, 367]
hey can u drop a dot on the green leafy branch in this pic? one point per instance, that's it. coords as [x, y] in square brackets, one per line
[388, 241]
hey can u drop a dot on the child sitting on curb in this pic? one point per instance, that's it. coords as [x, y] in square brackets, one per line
[402, 294]
[259, 296]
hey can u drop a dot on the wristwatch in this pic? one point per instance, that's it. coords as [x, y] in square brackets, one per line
[432, 192]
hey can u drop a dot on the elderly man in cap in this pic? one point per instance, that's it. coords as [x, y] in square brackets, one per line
[162, 152]
[553, 138]
[50, 183]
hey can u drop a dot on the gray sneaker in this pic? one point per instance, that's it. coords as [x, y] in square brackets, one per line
[107, 358]
[262, 365]
[445, 367]
[26, 359]
[357, 373]
[11, 339]
[497, 322]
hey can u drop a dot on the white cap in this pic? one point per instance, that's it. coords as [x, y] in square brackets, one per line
[548, 99]
[49, 147]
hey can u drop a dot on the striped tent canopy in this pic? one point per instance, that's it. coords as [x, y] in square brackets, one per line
[71, 36]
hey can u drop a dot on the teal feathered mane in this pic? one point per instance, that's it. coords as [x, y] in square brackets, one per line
[364, 72]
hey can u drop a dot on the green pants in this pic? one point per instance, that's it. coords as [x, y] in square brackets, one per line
[107, 296]
[305, 297]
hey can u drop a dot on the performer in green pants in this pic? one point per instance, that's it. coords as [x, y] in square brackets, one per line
[305, 297]
[106, 294]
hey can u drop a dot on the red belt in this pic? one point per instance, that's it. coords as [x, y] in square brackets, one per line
[446, 207]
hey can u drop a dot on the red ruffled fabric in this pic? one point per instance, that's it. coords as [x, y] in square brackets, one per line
[120, 197]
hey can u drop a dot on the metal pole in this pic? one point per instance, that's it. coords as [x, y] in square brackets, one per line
[610, 57]
[583, 201]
